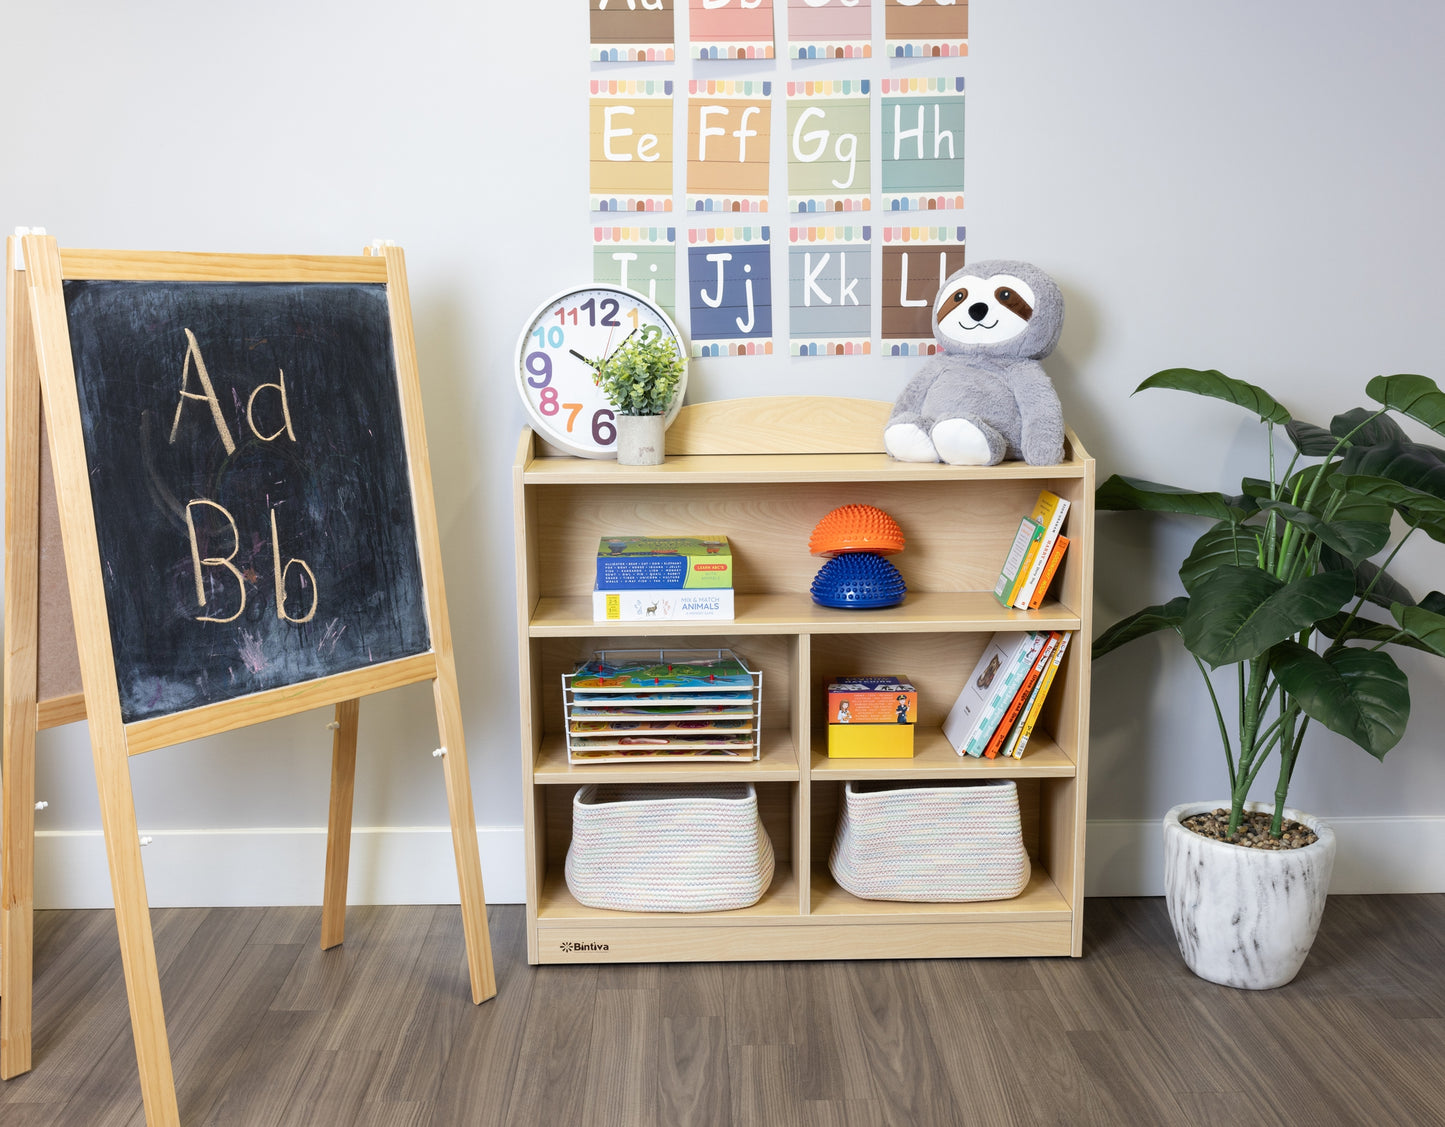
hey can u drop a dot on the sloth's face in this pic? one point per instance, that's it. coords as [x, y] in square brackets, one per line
[985, 310]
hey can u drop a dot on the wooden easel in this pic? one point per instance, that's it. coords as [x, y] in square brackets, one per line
[55, 676]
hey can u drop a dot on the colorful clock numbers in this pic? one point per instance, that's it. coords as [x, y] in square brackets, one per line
[556, 356]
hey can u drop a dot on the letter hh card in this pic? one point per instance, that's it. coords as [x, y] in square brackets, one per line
[922, 143]
[916, 260]
[631, 147]
[830, 292]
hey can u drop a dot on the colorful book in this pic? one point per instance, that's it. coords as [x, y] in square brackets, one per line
[1049, 512]
[1021, 697]
[1047, 577]
[627, 563]
[1036, 704]
[645, 604]
[1025, 540]
[989, 688]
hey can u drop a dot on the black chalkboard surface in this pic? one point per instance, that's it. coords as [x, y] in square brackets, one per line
[249, 477]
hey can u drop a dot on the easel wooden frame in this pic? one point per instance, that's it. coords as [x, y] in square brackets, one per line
[40, 374]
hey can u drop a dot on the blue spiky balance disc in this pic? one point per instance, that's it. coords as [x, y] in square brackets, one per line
[858, 580]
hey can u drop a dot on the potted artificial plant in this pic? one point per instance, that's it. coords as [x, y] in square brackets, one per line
[640, 379]
[1289, 585]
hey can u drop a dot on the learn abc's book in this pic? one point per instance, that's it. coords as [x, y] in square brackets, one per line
[664, 562]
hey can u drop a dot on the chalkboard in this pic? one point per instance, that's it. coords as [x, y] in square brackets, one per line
[250, 484]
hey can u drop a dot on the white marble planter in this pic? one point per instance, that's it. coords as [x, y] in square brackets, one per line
[1244, 917]
[641, 439]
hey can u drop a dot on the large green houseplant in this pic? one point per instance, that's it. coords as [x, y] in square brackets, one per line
[1289, 588]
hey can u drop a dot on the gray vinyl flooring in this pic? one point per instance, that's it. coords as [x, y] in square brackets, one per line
[267, 1029]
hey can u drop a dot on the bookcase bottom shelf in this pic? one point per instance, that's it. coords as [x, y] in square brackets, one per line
[1038, 922]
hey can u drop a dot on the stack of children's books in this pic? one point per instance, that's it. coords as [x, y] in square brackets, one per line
[674, 705]
[663, 578]
[1000, 703]
[1034, 557]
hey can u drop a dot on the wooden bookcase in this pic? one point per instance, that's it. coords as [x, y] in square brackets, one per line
[763, 471]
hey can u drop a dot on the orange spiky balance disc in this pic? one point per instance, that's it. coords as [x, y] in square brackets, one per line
[856, 528]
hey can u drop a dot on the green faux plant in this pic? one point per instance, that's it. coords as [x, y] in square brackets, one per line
[1289, 585]
[641, 376]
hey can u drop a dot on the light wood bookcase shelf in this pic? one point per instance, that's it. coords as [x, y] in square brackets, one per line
[763, 471]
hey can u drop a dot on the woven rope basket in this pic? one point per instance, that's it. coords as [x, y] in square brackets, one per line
[668, 847]
[901, 841]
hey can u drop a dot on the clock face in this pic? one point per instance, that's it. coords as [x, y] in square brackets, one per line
[554, 364]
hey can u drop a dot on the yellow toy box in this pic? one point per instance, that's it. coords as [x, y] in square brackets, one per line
[871, 718]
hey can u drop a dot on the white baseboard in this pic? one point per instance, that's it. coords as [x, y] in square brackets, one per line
[413, 865]
[1372, 855]
[225, 868]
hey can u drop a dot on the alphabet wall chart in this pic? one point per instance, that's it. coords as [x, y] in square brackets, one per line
[848, 144]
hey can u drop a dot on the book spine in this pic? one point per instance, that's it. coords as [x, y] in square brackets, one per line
[1046, 577]
[1047, 680]
[1050, 512]
[989, 719]
[1025, 538]
[1021, 698]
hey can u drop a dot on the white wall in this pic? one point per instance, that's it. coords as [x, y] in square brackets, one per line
[1236, 185]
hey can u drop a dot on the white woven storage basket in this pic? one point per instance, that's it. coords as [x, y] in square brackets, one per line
[901, 841]
[668, 847]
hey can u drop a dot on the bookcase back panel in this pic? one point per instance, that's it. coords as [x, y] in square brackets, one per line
[957, 533]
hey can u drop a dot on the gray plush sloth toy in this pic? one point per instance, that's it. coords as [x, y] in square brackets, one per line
[985, 397]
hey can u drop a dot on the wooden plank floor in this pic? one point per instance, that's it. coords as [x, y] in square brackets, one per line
[266, 1029]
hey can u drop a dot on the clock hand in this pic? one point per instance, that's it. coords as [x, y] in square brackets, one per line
[624, 340]
[584, 359]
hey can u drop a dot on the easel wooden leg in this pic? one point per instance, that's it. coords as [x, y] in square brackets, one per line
[21, 666]
[137, 945]
[338, 824]
[17, 889]
[464, 833]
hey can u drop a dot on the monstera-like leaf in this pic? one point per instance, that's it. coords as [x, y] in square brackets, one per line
[1310, 440]
[1415, 396]
[1216, 385]
[1355, 540]
[1404, 475]
[1361, 694]
[1427, 626]
[1365, 427]
[1224, 545]
[1238, 613]
[1166, 616]
[1124, 493]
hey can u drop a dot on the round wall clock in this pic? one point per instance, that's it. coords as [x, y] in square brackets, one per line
[555, 356]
